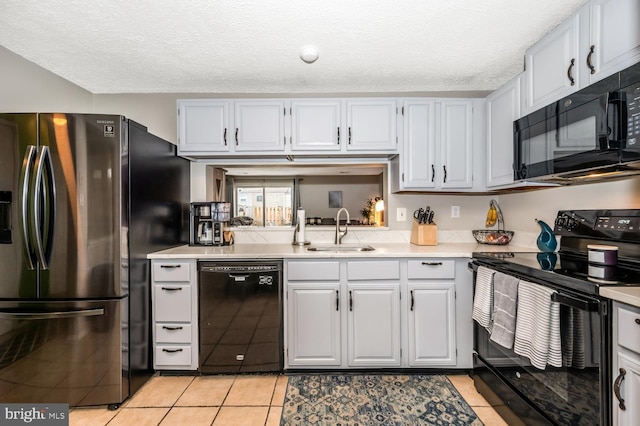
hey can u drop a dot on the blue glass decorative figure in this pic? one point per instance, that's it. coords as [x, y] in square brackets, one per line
[546, 240]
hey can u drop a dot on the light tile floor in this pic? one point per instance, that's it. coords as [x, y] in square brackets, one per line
[225, 400]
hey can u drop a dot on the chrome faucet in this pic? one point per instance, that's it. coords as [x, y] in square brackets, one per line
[339, 233]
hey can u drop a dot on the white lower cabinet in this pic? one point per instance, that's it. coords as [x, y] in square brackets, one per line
[174, 314]
[374, 325]
[314, 336]
[626, 365]
[431, 324]
[377, 313]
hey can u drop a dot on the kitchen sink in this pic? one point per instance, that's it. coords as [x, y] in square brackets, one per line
[341, 247]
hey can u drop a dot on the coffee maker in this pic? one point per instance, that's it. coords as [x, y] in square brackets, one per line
[208, 220]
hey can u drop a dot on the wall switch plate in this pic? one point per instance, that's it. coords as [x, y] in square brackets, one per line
[455, 211]
[401, 214]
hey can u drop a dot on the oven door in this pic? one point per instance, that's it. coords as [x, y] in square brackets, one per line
[572, 394]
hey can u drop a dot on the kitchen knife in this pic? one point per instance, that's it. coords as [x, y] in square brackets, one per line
[430, 217]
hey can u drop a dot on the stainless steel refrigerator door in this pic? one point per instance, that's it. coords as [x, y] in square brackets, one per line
[63, 352]
[18, 259]
[77, 209]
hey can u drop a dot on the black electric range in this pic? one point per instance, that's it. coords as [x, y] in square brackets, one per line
[570, 394]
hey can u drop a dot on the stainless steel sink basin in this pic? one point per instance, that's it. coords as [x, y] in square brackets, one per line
[341, 247]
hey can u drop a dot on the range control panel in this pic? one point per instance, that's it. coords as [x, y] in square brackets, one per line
[603, 224]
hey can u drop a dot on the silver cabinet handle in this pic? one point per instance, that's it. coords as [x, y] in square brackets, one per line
[412, 301]
[170, 266]
[224, 136]
[444, 179]
[349, 135]
[172, 288]
[433, 173]
[171, 351]
[338, 135]
[432, 263]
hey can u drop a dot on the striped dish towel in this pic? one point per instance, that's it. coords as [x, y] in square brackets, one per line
[505, 296]
[537, 334]
[483, 297]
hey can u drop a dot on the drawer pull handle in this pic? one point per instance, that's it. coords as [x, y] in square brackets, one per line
[432, 263]
[337, 300]
[350, 301]
[171, 328]
[172, 351]
[170, 266]
[412, 300]
[616, 388]
[637, 320]
[172, 288]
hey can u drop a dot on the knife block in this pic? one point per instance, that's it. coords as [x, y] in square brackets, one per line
[424, 234]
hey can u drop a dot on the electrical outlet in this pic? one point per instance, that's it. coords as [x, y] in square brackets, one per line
[401, 214]
[455, 211]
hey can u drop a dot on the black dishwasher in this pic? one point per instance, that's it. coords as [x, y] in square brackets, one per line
[240, 316]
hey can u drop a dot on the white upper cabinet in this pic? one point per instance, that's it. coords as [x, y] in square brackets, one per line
[371, 125]
[503, 108]
[437, 150]
[552, 65]
[316, 125]
[456, 145]
[614, 35]
[259, 125]
[203, 125]
[599, 40]
[419, 144]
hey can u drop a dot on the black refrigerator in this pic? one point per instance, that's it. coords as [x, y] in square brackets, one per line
[83, 199]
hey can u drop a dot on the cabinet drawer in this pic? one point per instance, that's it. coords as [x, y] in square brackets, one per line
[629, 329]
[173, 333]
[313, 271]
[171, 271]
[431, 269]
[373, 270]
[173, 356]
[172, 302]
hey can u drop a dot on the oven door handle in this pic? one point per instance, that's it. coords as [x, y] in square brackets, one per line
[583, 305]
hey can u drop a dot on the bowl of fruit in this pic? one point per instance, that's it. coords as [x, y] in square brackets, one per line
[493, 236]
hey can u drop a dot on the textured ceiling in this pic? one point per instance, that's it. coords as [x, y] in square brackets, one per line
[253, 46]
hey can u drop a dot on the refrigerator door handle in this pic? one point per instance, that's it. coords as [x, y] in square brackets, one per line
[49, 198]
[38, 315]
[25, 173]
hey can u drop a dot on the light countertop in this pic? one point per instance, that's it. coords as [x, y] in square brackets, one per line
[266, 251]
[628, 295]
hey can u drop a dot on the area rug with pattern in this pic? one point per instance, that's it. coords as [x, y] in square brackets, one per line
[373, 399]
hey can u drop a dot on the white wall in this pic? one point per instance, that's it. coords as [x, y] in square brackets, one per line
[25, 86]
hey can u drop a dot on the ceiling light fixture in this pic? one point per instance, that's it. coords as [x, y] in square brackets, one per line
[309, 54]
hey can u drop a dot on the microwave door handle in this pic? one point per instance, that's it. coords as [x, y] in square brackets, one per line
[25, 178]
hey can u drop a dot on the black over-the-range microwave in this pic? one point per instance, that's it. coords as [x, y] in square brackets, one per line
[590, 135]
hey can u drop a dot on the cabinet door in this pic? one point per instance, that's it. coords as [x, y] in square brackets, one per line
[259, 125]
[503, 108]
[315, 125]
[203, 126]
[374, 325]
[456, 141]
[371, 125]
[430, 304]
[419, 149]
[313, 324]
[629, 390]
[614, 36]
[551, 63]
